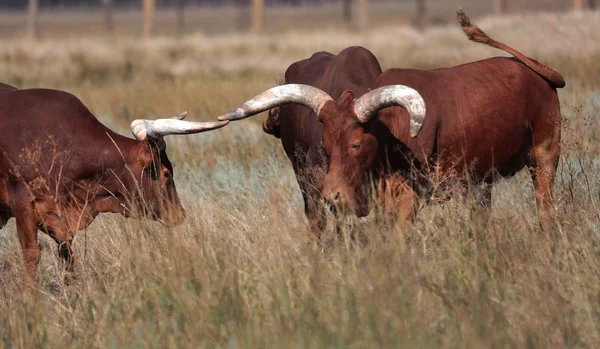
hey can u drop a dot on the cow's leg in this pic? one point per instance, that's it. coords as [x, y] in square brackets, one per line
[65, 252]
[399, 199]
[480, 214]
[309, 170]
[27, 230]
[408, 204]
[400, 203]
[313, 205]
[543, 171]
[544, 157]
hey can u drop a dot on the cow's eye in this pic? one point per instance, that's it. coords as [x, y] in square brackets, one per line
[355, 146]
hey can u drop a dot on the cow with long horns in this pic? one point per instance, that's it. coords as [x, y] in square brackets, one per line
[354, 68]
[483, 120]
[60, 167]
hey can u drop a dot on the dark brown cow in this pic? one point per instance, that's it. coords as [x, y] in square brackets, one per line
[60, 167]
[483, 120]
[354, 68]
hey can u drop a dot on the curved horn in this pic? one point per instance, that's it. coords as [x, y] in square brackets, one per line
[396, 95]
[142, 129]
[305, 95]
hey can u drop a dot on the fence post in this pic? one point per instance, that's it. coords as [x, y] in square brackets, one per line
[347, 10]
[148, 10]
[258, 12]
[32, 19]
[500, 6]
[592, 4]
[363, 14]
[421, 14]
[108, 20]
[180, 15]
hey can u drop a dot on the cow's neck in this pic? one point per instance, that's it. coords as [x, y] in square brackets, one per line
[109, 190]
[76, 205]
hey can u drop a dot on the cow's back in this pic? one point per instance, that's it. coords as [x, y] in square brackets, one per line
[4, 88]
[354, 68]
[473, 108]
[51, 133]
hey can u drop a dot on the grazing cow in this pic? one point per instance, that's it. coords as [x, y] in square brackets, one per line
[354, 68]
[60, 167]
[483, 120]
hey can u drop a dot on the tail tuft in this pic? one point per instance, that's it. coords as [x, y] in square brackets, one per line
[473, 32]
[463, 19]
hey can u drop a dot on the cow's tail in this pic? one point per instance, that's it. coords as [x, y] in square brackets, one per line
[474, 33]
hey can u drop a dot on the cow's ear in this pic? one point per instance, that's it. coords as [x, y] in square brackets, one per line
[157, 143]
[151, 164]
[271, 124]
[346, 98]
[149, 158]
[157, 146]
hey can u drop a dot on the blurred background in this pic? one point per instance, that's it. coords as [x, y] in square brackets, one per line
[241, 271]
[43, 18]
[60, 42]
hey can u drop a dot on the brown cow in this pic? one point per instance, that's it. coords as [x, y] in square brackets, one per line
[354, 68]
[60, 167]
[484, 120]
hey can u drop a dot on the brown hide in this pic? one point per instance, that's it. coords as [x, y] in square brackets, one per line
[480, 116]
[484, 120]
[489, 117]
[60, 167]
[6, 88]
[354, 68]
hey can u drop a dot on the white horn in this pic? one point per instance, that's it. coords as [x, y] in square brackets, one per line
[367, 106]
[305, 95]
[143, 129]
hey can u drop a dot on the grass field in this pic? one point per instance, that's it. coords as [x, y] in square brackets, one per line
[242, 272]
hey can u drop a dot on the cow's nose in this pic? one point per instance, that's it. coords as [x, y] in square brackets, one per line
[334, 198]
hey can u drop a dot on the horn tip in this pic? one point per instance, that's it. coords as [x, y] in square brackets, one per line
[415, 128]
[235, 114]
[139, 130]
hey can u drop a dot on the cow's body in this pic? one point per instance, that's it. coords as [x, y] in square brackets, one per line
[354, 68]
[484, 120]
[60, 167]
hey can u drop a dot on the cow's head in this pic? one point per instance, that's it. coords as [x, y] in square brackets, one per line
[155, 195]
[351, 148]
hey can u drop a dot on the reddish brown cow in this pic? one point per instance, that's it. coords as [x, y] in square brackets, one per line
[60, 167]
[484, 120]
[299, 128]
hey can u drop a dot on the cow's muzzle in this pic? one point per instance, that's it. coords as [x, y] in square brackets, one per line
[347, 201]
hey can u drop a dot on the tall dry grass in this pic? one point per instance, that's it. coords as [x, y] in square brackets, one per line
[241, 272]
